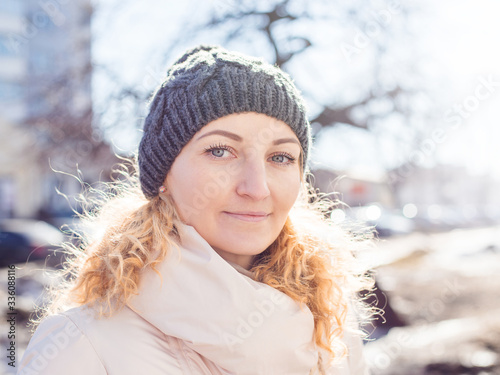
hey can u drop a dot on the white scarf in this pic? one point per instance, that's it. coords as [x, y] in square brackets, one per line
[243, 326]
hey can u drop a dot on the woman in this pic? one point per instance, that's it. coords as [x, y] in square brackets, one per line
[221, 265]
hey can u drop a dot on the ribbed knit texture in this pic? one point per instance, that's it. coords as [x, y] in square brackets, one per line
[206, 83]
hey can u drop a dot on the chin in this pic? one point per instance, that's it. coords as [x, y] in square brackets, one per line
[246, 246]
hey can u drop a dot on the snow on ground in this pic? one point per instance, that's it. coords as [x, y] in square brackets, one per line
[446, 286]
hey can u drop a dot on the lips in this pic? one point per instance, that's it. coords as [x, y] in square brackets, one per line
[249, 216]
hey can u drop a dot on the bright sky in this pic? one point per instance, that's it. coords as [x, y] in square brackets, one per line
[460, 39]
[472, 57]
[459, 36]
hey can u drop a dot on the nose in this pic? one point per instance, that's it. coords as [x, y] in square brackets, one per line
[253, 181]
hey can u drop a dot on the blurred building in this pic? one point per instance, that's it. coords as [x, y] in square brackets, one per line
[13, 62]
[45, 105]
[438, 198]
[448, 194]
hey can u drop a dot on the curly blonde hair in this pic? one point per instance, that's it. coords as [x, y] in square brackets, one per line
[312, 260]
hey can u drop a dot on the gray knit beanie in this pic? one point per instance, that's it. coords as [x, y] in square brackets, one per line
[206, 83]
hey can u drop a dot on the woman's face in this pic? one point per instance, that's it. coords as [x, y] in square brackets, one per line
[235, 183]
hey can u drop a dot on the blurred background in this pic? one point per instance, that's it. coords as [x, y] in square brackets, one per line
[404, 101]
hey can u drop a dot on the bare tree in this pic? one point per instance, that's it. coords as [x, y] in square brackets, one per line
[349, 33]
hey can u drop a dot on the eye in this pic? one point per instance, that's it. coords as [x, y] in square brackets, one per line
[218, 151]
[283, 158]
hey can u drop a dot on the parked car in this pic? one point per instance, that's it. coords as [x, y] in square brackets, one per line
[393, 223]
[24, 240]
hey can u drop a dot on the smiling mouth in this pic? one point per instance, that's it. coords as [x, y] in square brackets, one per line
[248, 216]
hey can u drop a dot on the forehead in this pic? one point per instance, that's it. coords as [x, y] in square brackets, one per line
[250, 125]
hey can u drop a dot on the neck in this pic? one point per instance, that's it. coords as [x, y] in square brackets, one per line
[241, 260]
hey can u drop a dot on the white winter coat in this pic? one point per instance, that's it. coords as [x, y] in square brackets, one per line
[206, 316]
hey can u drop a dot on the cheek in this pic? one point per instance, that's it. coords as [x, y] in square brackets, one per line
[182, 185]
[286, 192]
[197, 190]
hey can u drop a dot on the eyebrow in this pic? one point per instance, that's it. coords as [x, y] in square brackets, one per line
[237, 138]
[285, 140]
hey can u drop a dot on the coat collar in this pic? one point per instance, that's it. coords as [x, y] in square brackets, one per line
[219, 311]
